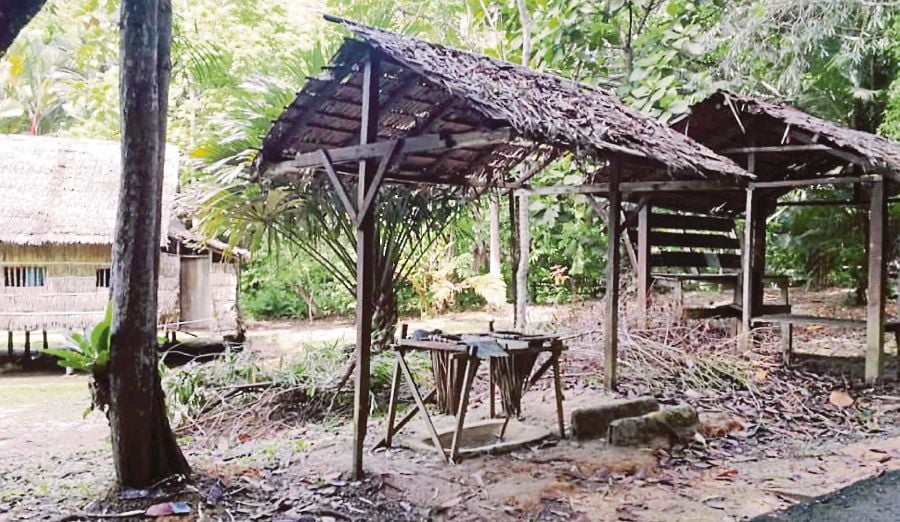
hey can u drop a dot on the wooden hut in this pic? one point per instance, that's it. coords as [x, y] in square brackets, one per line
[396, 109]
[786, 149]
[57, 224]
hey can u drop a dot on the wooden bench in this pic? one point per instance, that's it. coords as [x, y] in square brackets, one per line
[695, 248]
[787, 322]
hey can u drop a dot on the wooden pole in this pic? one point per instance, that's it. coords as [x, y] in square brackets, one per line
[513, 251]
[747, 261]
[643, 264]
[614, 232]
[875, 306]
[27, 345]
[9, 343]
[522, 271]
[44, 334]
[365, 261]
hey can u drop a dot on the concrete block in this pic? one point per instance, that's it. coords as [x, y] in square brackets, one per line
[593, 422]
[665, 427]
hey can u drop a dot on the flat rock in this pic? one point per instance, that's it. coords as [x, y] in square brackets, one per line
[665, 427]
[593, 422]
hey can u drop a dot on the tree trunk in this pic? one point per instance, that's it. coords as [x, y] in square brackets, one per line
[144, 447]
[14, 15]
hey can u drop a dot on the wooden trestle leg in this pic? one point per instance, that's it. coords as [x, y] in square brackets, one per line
[471, 367]
[414, 389]
[392, 405]
[557, 383]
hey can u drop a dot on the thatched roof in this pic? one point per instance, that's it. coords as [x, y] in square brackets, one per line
[65, 191]
[727, 120]
[428, 88]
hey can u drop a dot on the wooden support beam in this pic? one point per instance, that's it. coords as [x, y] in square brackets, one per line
[376, 183]
[877, 284]
[832, 180]
[746, 272]
[637, 187]
[776, 149]
[9, 343]
[373, 149]
[644, 265]
[691, 222]
[337, 185]
[838, 153]
[365, 261]
[27, 345]
[611, 328]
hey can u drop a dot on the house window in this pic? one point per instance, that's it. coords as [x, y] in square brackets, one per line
[24, 276]
[103, 277]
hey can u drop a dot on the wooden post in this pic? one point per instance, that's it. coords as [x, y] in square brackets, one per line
[614, 232]
[875, 306]
[513, 252]
[44, 334]
[787, 343]
[9, 343]
[522, 272]
[472, 362]
[365, 261]
[27, 345]
[643, 264]
[747, 272]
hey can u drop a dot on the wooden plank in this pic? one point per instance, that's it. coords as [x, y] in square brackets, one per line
[365, 264]
[636, 187]
[691, 222]
[793, 183]
[614, 235]
[692, 240]
[855, 324]
[696, 260]
[716, 279]
[644, 265]
[712, 312]
[424, 143]
[877, 284]
[776, 149]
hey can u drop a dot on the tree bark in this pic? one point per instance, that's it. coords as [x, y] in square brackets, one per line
[14, 16]
[144, 447]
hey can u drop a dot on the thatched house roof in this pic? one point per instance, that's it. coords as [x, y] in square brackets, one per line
[727, 121]
[65, 191]
[429, 88]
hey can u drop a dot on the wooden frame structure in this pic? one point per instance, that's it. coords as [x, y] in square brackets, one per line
[789, 149]
[395, 109]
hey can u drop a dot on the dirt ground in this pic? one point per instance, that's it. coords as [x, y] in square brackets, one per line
[55, 463]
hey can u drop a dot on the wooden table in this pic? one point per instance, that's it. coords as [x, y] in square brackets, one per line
[471, 349]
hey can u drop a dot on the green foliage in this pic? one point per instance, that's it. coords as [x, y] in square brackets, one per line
[88, 352]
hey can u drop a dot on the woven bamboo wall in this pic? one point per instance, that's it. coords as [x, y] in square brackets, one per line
[70, 298]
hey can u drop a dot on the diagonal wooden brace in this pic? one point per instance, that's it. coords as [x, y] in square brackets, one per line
[383, 165]
[338, 186]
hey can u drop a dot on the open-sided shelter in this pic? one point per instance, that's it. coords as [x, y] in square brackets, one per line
[787, 148]
[392, 108]
[57, 224]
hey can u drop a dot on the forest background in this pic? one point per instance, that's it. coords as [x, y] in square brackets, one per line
[237, 63]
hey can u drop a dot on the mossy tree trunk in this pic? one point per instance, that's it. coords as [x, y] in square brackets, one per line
[144, 448]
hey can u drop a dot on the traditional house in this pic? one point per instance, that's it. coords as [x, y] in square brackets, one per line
[57, 224]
